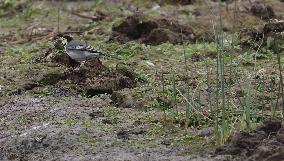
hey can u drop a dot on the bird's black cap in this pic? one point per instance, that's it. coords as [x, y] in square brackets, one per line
[68, 38]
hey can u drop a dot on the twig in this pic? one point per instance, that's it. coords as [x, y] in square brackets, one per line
[93, 18]
[49, 35]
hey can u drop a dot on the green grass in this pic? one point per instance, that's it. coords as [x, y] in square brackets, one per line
[203, 93]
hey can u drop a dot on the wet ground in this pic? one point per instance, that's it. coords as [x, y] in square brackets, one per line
[51, 108]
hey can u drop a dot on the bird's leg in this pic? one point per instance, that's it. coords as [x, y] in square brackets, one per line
[82, 64]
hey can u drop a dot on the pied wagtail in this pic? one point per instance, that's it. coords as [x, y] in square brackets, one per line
[78, 50]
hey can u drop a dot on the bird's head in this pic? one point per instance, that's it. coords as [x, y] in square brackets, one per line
[66, 39]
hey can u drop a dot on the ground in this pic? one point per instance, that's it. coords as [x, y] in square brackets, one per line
[153, 97]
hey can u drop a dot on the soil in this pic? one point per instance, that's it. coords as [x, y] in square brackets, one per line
[271, 30]
[153, 32]
[264, 144]
[53, 108]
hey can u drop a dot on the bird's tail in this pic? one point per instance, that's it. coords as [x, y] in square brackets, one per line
[99, 53]
[94, 51]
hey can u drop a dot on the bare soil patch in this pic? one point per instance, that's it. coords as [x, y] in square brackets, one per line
[152, 32]
[266, 143]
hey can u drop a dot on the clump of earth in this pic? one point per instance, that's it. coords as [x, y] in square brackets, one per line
[266, 143]
[152, 32]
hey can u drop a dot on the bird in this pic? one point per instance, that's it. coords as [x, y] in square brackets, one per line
[78, 50]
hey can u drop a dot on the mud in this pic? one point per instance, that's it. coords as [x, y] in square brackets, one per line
[263, 144]
[60, 128]
[153, 32]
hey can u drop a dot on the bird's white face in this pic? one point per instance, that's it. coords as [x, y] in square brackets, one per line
[63, 40]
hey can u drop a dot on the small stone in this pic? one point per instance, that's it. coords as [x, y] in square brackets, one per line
[137, 131]
[166, 142]
[137, 123]
[205, 132]
[96, 114]
[123, 134]
[122, 99]
[107, 121]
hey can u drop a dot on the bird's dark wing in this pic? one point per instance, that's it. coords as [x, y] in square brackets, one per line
[79, 45]
[93, 50]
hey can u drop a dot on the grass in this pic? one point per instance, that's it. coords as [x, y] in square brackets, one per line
[222, 93]
[227, 112]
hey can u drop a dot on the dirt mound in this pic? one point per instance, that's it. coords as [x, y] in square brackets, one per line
[95, 78]
[262, 11]
[264, 143]
[152, 32]
[92, 78]
[271, 30]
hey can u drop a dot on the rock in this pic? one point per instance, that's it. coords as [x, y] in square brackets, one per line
[123, 99]
[166, 142]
